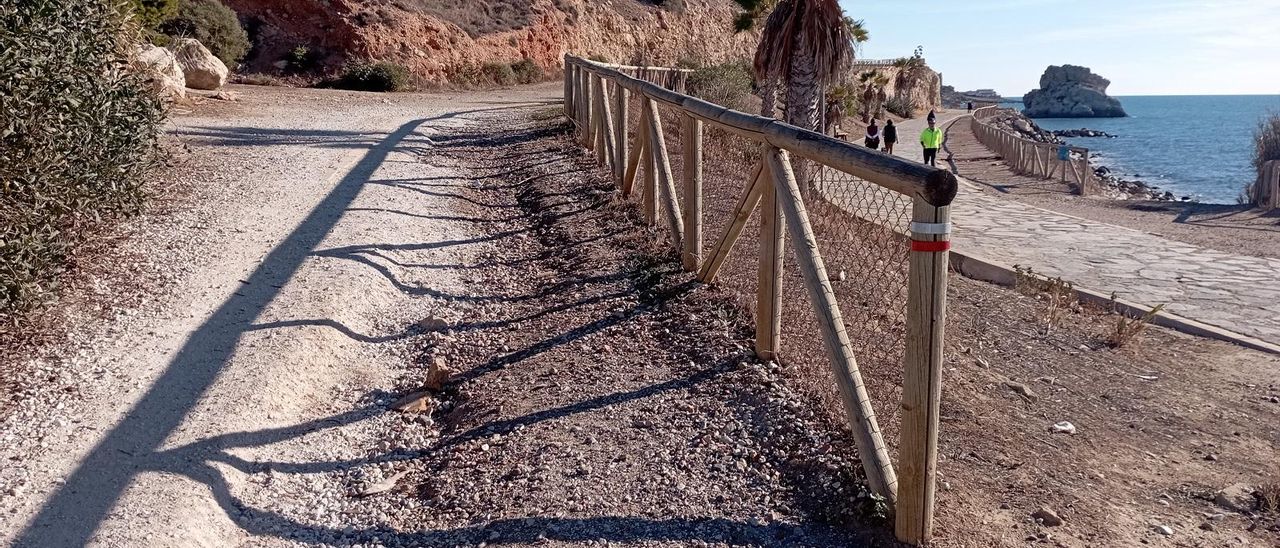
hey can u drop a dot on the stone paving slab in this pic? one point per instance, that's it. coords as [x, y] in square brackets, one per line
[1233, 292]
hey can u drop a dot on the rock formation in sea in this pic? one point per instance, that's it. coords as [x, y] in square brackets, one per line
[1070, 91]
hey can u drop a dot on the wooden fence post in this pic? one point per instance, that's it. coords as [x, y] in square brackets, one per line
[769, 280]
[692, 160]
[584, 89]
[604, 125]
[621, 104]
[853, 393]
[1086, 175]
[1275, 185]
[637, 155]
[568, 87]
[922, 375]
[666, 184]
[649, 194]
[597, 119]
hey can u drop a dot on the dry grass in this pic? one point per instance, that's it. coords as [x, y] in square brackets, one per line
[1127, 329]
[1270, 492]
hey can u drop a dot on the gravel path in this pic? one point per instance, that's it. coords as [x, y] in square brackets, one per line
[269, 348]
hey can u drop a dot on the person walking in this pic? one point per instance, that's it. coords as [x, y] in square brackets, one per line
[872, 139]
[932, 117]
[931, 140]
[890, 135]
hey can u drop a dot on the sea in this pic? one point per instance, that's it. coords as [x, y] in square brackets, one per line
[1195, 146]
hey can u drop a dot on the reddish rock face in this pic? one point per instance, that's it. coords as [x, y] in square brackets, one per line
[445, 40]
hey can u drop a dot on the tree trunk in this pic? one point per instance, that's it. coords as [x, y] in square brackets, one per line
[769, 97]
[802, 103]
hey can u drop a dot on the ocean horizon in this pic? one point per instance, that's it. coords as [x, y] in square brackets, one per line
[1195, 146]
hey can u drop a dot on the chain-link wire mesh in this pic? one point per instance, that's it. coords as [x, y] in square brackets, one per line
[861, 230]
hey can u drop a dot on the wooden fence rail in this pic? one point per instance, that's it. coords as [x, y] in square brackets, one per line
[1266, 192]
[596, 99]
[1033, 158]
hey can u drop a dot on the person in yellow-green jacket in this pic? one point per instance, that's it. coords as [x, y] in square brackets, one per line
[931, 139]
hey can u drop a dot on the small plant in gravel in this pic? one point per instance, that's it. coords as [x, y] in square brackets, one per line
[374, 76]
[1127, 329]
[78, 136]
[1270, 492]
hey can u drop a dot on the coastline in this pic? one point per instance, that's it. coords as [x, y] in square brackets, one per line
[1240, 229]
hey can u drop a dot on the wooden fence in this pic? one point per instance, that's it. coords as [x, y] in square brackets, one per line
[1266, 192]
[1036, 159]
[597, 99]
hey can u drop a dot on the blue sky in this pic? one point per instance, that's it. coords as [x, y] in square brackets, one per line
[1145, 47]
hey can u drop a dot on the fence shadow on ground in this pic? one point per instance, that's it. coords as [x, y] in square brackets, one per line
[76, 509]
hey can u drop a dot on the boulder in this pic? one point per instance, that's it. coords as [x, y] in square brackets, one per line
[203, 70]
[1070, 91]
[1237, 497]
[162, 69]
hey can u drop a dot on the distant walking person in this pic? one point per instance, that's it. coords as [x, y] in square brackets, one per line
[968, 107]
[931, 140]
[890, 135]
[872, 139]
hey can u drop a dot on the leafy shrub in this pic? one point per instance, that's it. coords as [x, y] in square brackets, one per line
[499, 73]
[726, 84]
[214, 25]
[301, 59]
[527, 72]
[78, 134]
[150, 13]
[900, 106]
[374, 76]
[599, 58]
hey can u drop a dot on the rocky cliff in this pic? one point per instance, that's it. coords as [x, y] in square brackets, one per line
[917, 84]
[442, 40]
[1069, 91]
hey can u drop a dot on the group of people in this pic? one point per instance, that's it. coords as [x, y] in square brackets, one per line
[930, 138]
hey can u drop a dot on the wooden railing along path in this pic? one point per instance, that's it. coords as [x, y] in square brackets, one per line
[1033, 158]
[1266, 192]
[597, 100]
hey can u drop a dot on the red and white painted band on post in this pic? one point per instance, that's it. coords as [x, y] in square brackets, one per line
[930, 229]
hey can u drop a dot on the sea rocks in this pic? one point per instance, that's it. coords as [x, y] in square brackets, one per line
[1070, 91]
[163, 69]
[203, 70]
[1082, 132]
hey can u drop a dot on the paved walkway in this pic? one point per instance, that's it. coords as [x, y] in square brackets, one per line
[1233, 292]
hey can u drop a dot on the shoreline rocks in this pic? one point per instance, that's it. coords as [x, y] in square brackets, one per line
[1082, 132]
[1071, 91]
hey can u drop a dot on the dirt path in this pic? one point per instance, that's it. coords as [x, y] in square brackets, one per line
[273, 325]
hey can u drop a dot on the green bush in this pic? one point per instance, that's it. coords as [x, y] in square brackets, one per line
[302, 59]
[78, 135]
[527, 72]
[214, 25]
[499, 73]
[900, 106]
[150, 13]
[726, 84]
[374, 76]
